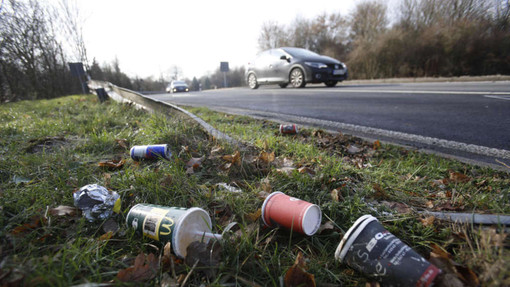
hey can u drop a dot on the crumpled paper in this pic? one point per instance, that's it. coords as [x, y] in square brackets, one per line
[96, 202]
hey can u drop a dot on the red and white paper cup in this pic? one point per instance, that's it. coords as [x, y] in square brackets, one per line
[291, 213]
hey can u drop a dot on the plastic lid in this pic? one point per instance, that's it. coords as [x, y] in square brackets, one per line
[355, 230]
[190, 228]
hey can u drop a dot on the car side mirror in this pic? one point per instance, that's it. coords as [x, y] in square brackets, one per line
[283, 58]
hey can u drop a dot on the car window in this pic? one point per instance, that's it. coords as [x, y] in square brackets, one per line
[300, 53]
[277, 53]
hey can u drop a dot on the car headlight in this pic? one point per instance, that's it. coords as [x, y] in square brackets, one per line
[317, 65]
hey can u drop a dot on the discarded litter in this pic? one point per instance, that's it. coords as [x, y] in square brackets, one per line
[178, 225]
[288, 129]
[369, 248]
[229, 188]
[96, 202]
[292, 213]
[140, 152]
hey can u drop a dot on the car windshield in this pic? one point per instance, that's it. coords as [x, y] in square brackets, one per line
[178, 83]
[300, 53]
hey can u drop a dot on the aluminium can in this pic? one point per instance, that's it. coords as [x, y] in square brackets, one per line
[140, 152]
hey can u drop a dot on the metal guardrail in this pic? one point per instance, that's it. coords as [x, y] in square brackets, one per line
[125, 95]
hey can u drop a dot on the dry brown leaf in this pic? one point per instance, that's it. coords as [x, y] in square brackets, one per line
[400, 207]
[380, 193]
[254, 215]
[297, 275]
[105, 237]
[286, 170]
[216, 150]
[428, 221]
[266, 185]
[195, 162]
[305, 169]
[336, 194]
[62, 210]
[457, 177]
[267, 157]
[144, 269]
[35, 222]
[454, 274]
[112, 163]
[123, 143]
[234, 158]
[377, 145]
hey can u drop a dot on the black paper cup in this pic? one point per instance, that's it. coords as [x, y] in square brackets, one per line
[371, 249]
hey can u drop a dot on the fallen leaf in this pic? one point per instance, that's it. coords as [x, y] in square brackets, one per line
[105, 237]
[266, 185]
[207, 255]
[326, 226]
[112, 163]
[454, 274]
[254, 215]
[377, 145]
[62, 210]
[428, 221]
[336, 194]
[35, 222]
[400, 207]
[286, 170]
[297, 275]
[216, 150]
[195, 162]
[380, 193]
[234, 158]
[267, 157]
[144, 269]
[307, 170]
[353, 149]
[457, 177]
[123, 143]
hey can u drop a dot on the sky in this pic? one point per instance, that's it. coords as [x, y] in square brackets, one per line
[150, 37]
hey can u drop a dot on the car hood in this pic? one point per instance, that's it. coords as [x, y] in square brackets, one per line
[322, 59]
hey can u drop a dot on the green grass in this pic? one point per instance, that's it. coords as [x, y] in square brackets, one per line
[50, 148]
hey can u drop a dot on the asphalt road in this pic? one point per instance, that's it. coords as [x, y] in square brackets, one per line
[469, 120]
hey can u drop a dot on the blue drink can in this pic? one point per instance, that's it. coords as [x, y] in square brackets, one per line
[140, 152]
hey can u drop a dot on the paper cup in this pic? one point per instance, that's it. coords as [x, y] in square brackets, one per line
[369, 248]
[178, 225]
[292, 213]
[156, 151]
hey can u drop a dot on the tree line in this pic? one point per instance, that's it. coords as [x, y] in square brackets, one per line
[423, 38]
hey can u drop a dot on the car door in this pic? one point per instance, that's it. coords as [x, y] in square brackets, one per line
[278, 66]
[262, 66]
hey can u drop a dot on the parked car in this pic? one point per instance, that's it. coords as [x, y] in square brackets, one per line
[295, 66]
[177, 86]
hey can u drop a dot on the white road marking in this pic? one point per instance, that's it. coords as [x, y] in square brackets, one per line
[507, 98]
[415, 92]
[374, 132]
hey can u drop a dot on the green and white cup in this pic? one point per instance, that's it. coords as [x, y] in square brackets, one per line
[177, 225]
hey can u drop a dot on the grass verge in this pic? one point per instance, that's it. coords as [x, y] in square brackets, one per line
[51, 148]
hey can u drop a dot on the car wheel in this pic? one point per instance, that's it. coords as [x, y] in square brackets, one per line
[283, 86]
[252, 81]
[331, 83]
[297, 78]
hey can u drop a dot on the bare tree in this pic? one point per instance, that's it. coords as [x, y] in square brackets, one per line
[272, 36]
